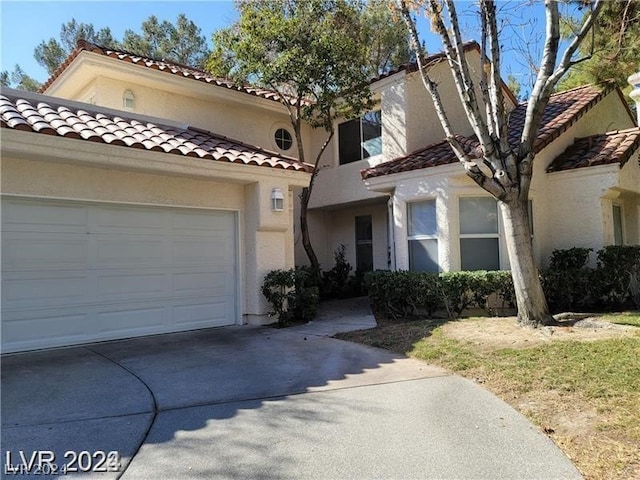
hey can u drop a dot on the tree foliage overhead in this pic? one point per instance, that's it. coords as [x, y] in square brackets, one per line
[306, 49]
[318, 54]
[51, 53]
[19, 79]
[181, 42]
[613, 48]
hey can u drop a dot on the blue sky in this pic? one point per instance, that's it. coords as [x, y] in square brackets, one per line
[24, 24]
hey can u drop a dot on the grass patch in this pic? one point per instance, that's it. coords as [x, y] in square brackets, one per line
[584, 392]
[627, 318]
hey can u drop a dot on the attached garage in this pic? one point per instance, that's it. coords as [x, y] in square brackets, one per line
[76, 272]
[119, 226]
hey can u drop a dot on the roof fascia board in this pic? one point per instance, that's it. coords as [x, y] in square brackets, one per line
[390, 180]
[37, 146]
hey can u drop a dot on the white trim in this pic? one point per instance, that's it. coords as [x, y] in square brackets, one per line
[499, 235]
[272, 137]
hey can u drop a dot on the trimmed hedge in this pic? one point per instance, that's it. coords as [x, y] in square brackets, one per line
[569, 284]
[613, 285]
[403, 294]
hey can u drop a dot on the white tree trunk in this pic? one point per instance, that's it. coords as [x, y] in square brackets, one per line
[532, 306]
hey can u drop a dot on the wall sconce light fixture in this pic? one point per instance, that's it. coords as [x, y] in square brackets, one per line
[277, 200]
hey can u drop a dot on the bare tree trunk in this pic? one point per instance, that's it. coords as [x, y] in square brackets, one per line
[532, 306]
[304, 229]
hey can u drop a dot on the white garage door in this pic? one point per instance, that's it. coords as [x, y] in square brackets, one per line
[76, 272]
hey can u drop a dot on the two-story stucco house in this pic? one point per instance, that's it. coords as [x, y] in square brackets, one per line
[141, 197]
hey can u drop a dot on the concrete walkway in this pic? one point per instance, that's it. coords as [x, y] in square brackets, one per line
[248, 402]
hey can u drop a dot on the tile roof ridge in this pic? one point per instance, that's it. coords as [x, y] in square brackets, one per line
[412, 66]
[85, 45]
[605, 85]
[611, 133]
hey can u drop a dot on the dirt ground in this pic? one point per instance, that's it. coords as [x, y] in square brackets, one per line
[504, 333]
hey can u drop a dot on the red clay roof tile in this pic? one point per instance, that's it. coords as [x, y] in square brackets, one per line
[604, 149]
[51, 116]
[563, 110]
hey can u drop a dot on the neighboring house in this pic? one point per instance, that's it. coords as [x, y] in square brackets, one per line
[125, 215]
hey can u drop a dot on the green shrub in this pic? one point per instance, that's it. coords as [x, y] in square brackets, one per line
[566, 283]
[569, 284]
[339, 282]
[293, 294]
[616, 276]
[403, 294]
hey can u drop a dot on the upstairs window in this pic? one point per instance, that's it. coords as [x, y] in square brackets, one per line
[283, 139]
[360, 138]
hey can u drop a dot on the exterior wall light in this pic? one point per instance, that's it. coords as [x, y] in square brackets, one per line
[277, 200]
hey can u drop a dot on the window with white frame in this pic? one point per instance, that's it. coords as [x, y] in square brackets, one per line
[618, 234]
[479, 237]
[360, 138]
[422, 236]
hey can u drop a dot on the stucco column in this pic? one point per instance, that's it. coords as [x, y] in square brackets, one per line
[634, 81]
[266, 245]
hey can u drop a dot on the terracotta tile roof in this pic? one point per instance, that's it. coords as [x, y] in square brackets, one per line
[563, 110]
[52, 116]
[160, 65]
[604, 149]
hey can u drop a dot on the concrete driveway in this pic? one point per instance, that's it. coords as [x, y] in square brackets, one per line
[244, 402]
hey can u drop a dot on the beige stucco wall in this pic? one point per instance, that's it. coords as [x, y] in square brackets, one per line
[446, 185]
[265, 237]
[240, 116]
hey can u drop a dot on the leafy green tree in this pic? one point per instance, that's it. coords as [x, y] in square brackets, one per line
[613, 51]
[181, 42]
[312, 53]
[19, 79]
[385, 36]
[51, 53]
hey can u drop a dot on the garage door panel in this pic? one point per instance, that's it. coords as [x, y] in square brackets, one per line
[26, 251]
[46, 330]
[129, 251]
[34, 291]
[133, 285]
[211, 251]
[197, 223]
[131, 321]
[203, 283]
[119, 271]
[24, 215]
[129, 220]
[194, 316]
